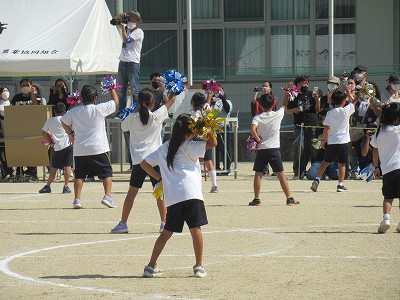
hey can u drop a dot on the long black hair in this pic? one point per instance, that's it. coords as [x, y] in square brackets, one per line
[198, 101]
[145, 97]
[390, 115]
[179, 133]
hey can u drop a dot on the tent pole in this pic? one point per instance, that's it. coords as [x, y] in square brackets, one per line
[189, 42]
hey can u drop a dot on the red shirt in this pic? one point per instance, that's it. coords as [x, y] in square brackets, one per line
[256, 108]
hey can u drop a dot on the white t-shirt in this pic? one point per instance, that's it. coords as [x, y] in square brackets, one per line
[268, 126]
[2, 104]
[144, 139]
[89, 127]
[388, 144]
[338, 121]
[220, 106]
[57, 132]
[183, 182]
[132, 50]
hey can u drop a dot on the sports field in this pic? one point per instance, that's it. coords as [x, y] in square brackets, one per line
[325, 248]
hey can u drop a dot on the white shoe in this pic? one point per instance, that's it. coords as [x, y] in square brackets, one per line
[162, 225]
[150, 272]
[107, 201]
[199, 272]
[384, 226]
[77, 204]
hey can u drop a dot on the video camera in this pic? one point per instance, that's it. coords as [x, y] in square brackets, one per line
[257, 89]
[124, 20]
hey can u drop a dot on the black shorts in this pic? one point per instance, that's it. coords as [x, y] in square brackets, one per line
[138, 175]
[336, 152]
[63, 158]
[268, 156]
[193, 212]
[208, 155]
[391, 185]
[98, 164]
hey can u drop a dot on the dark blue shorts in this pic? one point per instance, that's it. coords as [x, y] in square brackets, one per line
[268, 156]
[138, 176]
[98, 164]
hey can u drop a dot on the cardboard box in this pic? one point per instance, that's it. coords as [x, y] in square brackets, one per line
[23, 135]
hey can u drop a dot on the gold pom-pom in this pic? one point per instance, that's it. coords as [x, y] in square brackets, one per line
[206, 123]
[158, 190]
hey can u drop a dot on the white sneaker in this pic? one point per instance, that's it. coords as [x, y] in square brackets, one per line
[199, 272]
[398, 228]
[120, 228]
[162, 225]
[77, 204]
[150, 272]
[384, 226]
[107, 201]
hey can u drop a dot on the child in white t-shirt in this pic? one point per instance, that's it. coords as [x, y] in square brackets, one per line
[145, 137]
[386, 143]
[178, 160]
[90, 141]
[265, 130]
[336, 135]
[63, 155]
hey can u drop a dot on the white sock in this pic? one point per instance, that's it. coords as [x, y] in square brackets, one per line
[213, 177]
[386, 217]
[317, 178]
[340, 183]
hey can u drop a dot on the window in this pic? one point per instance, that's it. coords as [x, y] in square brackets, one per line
[342, 9]
[159, 52]
[344, 47]
[290, 50]
[207, 53]
[155, 11]
[290, 9]
[204, 9]
[239, 10]
[245, 51]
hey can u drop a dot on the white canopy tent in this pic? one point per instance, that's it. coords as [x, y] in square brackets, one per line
[57, 37]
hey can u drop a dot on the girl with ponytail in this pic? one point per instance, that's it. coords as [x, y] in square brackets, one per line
[145, 137]
[178, 160]
[386, 143]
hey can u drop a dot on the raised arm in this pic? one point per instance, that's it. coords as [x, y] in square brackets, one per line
[114, 96]
[170, 100]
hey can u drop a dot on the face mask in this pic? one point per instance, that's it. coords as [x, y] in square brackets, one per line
[332, 86]
[359, 76]
[26, 90]
[304, 89]
[395, 87]
[155, 84]
[5, 95]
[131, 25]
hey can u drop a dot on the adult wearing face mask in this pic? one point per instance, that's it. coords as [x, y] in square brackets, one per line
[158, 89]
[390, 94]
[129, 59]
[332, 85]
[304, 108]
[27, 95]
[4, 101]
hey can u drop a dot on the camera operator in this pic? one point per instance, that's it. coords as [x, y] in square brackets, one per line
[129, 59]
[58, 93]
[255, 106]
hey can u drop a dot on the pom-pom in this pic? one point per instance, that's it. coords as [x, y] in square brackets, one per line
[206, 123]
[49, 138]
[158, 190]
[292, 92]
[210, 86]
[74, 99]
[251, 144]
[127, 111]
[109, 83]
[366, 90]
[367, 173]
[173, 81]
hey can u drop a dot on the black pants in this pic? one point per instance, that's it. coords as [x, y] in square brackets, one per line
[220, 151]
[306, 150]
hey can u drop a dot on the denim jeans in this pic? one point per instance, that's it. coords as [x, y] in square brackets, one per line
[332, 171]
[128, 72]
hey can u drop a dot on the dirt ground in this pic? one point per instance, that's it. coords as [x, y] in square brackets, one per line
[325, 248]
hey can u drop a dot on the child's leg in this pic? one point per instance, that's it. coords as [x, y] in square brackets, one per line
[342, 172]
[159, 246]
[197, 238]
[128, 203]
[161, 209]
[78, 184]
[284, 183]
[322, 169]
[211, 170]
[67, 175]
[387, 206]
[257, 184]
[107, 184]
[52, 176]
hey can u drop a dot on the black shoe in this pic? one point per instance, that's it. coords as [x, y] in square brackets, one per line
[255, 202]
[314, 185]
[290, 201]
[45, 190]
